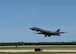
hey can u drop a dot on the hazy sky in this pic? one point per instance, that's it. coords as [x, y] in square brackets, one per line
[17, 16]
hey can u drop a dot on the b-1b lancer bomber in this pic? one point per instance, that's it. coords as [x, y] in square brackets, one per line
[46, 32]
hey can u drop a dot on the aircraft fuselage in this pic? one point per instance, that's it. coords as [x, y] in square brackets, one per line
[47, 33]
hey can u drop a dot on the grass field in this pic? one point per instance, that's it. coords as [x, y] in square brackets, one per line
[36, 53]
[70, 47]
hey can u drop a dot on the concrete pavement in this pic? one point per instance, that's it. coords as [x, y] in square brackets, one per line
[34, 50]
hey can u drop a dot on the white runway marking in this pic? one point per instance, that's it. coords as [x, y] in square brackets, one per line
[34, 50]
[59, 50]
[16, 50]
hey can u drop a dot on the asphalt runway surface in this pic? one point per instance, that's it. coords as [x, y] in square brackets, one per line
[34, 51]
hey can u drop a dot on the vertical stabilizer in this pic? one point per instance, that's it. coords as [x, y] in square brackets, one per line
[58, 30]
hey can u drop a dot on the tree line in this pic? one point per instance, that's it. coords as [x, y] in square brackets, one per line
[36, 43]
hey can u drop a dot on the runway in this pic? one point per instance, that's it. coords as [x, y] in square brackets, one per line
[16, 50]
[34, 51]
[59, 50]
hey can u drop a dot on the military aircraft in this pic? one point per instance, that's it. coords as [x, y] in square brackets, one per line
[46, 32]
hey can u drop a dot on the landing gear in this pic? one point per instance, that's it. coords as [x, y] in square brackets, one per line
[45, 35]
[49, 36]
[58, 34]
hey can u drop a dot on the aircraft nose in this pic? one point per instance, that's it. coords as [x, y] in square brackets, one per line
[30, 28]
